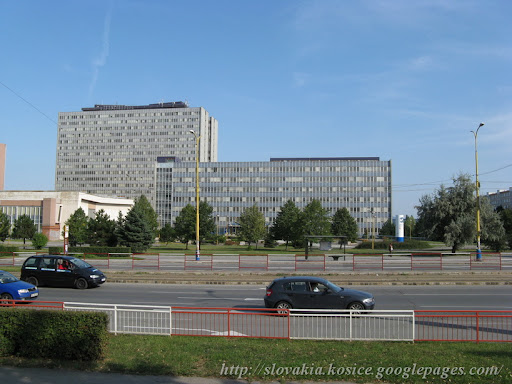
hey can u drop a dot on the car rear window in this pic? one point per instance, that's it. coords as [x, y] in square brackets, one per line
[295, 286]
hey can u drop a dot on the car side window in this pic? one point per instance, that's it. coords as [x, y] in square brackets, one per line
[318, 287]
[48, 263]
[298, 286]
[31, 263]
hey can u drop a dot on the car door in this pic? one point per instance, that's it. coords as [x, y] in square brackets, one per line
[324, 298]
[46, 272]
[64, 274]
[298, 294]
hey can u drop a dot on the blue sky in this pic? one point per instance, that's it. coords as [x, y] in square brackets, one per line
[403, 80]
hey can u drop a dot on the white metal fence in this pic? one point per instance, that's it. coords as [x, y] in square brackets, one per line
[134, 319]
[352, 325]
[295, 324]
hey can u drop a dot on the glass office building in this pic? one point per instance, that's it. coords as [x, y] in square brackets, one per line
[111, 150]
[361, 184]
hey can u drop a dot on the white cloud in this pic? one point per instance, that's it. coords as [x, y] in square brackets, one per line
[101, 60]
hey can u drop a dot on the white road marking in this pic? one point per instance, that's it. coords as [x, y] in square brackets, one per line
[471, 308]
[456, 294]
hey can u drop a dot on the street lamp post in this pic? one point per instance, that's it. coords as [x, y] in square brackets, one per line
[198, 252]
[373, 229]
[217, 231]
[478, 249]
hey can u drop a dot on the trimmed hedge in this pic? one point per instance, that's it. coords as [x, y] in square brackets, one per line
[9, 248]
[407, 244]
[90, 250]
[53, 334]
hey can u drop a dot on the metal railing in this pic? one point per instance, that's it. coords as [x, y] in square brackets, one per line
[317, 324]
[427, 261]
[352, 325]
[132, 319]
[476, 326]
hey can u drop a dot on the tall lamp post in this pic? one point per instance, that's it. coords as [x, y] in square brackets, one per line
[198, 252]
[478, 249]
[373, 229]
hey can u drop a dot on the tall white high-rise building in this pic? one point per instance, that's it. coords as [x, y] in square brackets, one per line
[112, 150]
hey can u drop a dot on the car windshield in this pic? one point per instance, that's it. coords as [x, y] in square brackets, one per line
[6, 277]
[80, 263]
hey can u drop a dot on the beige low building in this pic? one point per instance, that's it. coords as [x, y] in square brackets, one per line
[51, 209]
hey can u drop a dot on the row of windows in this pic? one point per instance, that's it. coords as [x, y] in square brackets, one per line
[75, 116]
[107, 124]
[132, 131]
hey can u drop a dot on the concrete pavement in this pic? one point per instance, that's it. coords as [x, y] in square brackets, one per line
[14, 375]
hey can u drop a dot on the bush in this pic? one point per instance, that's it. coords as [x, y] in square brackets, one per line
[39, 240]
[53, 334]
[407, 244]
[90, 250]
[8, 249]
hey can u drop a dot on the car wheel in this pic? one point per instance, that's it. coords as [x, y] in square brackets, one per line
[81, 283]
[356, 307]
[283, 307]
[33, 280]
[4, 298]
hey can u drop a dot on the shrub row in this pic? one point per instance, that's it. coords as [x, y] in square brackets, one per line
[90, 250]
[53, 334]
[407, 244]
[8, 248]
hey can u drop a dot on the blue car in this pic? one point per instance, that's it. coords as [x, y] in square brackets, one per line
[12, 288]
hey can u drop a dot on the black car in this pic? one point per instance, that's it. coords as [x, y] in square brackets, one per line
[307, 292]
[60, 271]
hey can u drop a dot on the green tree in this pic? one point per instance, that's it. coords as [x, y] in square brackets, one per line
[149, 214]
[24, 228]
[315, 220]
[77, 227]
[167, 233]
[449, 215]
[102, 230]
[5, 226]
[252, 225]
[388, 228]
[207, 227]
[136, 232]
[285, 225]
[185, 224]
[506, 219]
[344, 225]
[493, 230]
[409, 226]
[39, 240]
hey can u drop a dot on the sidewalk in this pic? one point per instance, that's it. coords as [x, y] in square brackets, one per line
[14, 375]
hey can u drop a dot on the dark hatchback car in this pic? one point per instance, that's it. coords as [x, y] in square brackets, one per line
[315, 293]
[60, 271]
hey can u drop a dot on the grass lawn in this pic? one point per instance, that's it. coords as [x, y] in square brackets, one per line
[268, 360]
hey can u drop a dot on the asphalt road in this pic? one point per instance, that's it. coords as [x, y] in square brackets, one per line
[446, 297]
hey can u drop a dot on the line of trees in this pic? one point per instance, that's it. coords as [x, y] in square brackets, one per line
[23, 228]
[136, 230]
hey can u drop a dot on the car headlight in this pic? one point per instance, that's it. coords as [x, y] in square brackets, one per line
[20, 291]
[94, 276]
[368, 300]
